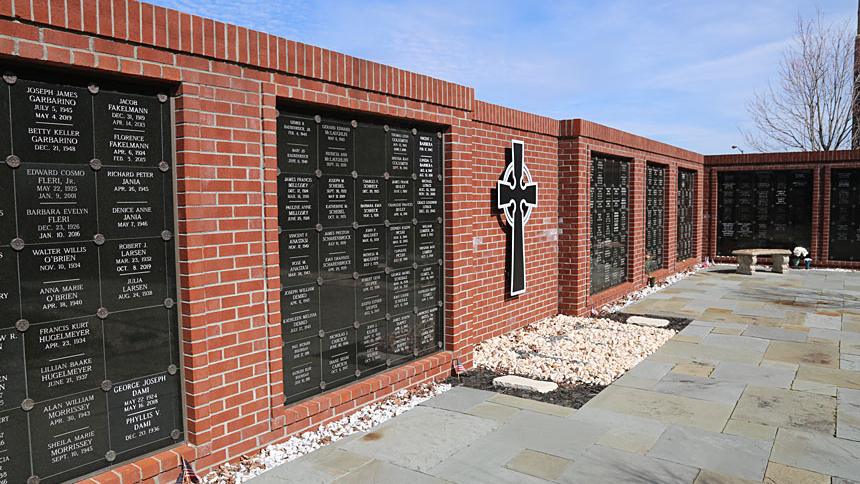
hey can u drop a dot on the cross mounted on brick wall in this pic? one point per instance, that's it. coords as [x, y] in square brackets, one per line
[517, 196]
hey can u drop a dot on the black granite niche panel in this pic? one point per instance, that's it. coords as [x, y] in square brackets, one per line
[361, 233]
[609, 214]
[88, 301]
[686, 200]
[655, 201]
[763, 209]
[844, 243]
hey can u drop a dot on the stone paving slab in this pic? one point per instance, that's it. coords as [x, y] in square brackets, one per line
[848, 414]
[732, 341]
[780, 334]
[413, 442]
[602, 464]
[701, 388]
[787, 409]
[484, 461]
[753, 375]
[803, 353]
[548, 434]
[817, 452]
[728, 454]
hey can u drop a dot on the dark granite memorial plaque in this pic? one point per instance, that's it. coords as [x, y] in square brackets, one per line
[69, 435]
[361, 244]
[130, 130]
[13, 388]
[299, 257]
[686, 200]
[337, 253]
[10, 302]
[400, 153]
[336, 148]
[300, 311]
[655, 198]
[52, 123]
[14, 447]
[370, 249]
[370, 149]
[401, 200]
[339, 356]
[297, 145]
[61, 281]
[371, 346]
[371, 302]
[337, 304]
[56, 203]
[336, 201]
[132, 202]
[302, 368]
[609, 181]
[371, 208]
[401, 245]
[763, 209]
[844, 243]
[143, 412]
[134, 273]
[87, 242]
[401, 337]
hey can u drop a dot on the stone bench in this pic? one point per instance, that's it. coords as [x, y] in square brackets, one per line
[747, 259]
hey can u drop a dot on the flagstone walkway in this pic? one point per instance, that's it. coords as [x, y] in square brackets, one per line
[763, 386]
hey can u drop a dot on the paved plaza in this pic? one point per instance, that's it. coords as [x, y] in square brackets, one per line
[763, 386]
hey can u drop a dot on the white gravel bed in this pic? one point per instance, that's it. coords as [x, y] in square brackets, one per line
[364, 419]
[568, 350]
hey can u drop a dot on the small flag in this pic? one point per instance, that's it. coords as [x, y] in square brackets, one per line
[458, 367]
[187, 474]
[594, 311]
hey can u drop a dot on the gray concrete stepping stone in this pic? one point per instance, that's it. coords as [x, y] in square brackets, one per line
[602, 464]
[664, 407]
[843, 336]
[412, 440]
[379, 472]
[645, 321]
[695, 330]
[459, 399]
[737, 342]
[702, 388]
[817, 452]
[848, 414]
[652, 370]
[533, 405]
[522, 383]
[538, 464]
[780, 334]
[809, 354]
[727, 454]
[484, 461]
[753, 375]
[787, 408]
[548, 434]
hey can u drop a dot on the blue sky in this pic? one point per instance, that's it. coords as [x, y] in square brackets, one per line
[680, 72]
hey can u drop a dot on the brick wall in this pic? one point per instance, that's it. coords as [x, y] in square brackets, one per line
[821, 163]
[226, 82]
[579, 139]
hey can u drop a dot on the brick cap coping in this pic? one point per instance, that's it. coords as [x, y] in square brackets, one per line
[572, 128]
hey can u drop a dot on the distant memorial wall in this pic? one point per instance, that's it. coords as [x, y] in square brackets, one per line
[844, 215]
[763, 209]
[361, 248]
[655, 201]
[89, 343]
[686, 199]
[609, 220]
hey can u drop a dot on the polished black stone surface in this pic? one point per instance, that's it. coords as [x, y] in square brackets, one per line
[87, 246]
[763, 209]
[609, 200]
[686, 201]
[361, 240]
[844, 243]
[655, 200]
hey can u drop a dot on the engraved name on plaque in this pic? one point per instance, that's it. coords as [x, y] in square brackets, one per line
[360, 214]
